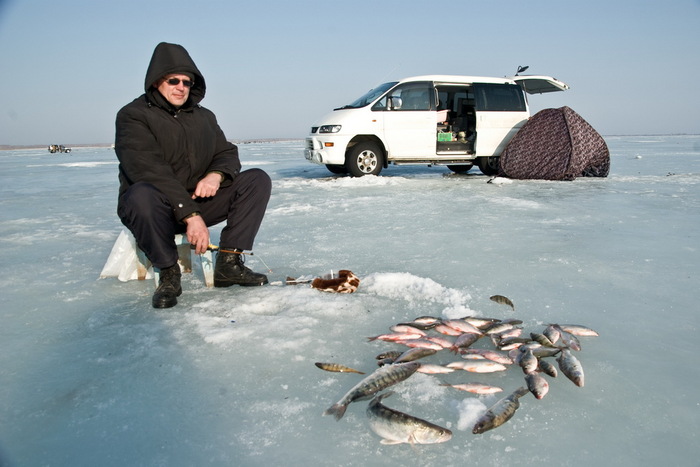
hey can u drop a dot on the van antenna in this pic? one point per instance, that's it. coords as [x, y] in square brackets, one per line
[388, 75]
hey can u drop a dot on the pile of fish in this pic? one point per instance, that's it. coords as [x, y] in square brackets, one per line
[509, 347]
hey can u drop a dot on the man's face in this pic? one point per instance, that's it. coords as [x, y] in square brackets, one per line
[176, 94]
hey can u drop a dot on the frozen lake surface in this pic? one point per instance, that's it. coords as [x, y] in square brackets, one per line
[91, 375]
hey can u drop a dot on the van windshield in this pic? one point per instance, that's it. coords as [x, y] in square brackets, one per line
[370, 96]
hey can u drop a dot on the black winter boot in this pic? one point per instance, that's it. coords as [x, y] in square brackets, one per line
[169, 288]
[229, 270]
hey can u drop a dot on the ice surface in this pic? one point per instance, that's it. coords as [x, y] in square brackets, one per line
[90, 374]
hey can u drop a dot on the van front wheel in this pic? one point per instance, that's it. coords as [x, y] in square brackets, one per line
[488, 165]
[364, 159]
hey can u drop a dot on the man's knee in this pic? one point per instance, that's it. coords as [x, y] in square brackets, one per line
[142, 199]
[258, 179]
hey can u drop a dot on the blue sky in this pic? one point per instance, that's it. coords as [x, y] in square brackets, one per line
[274, 67]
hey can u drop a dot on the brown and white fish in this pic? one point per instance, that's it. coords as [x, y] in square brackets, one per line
[542, 339]
[571, 367]
[396, 427]
[414, 354]
[500, 412]
[392, 354]
[337, 368]
[381, 378]
[501, 300]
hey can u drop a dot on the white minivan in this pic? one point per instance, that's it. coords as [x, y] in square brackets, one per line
[436, 119]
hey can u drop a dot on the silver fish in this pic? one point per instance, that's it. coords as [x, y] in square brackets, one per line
[423, 323]
[443, 342]
[537, 385]
[479, 322]
[397, 336]
[475, 388]
[477, 366]
[461, 326]
[528, 362]
[407, 329]
[497, 328]
[570, 340]
[578, 330]
[552, 333]
[545, 352]
[396, 427]
[571, 367]
[464, 341]
[420, 344]
[501, 300]
[432, 369]
[447, 330]
[381, 378]
[500, 412]
[338, 368]
[493, 355]
[547, 368]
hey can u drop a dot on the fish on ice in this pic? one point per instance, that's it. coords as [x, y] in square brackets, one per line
[500, 412]
[396, 427]
[380, 379]
[338, 368]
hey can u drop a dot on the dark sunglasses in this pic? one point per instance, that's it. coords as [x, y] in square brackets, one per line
[175, 81]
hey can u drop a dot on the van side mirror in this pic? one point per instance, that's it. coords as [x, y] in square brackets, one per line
[395, 103]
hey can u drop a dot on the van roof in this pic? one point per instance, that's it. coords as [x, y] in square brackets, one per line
[532, 84]
[457, 79]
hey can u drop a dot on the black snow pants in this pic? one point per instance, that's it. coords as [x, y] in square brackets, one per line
[147, 213]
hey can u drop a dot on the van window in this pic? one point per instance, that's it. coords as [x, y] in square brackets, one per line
[369, 96]
[407, 97]
[499, 97]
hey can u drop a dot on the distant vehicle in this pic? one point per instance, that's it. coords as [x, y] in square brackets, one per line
[435, 119]
[54, 148]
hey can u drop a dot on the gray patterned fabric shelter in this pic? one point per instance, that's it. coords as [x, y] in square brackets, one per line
[555, 144]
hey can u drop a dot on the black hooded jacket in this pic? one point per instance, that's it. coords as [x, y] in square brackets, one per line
[172, 148]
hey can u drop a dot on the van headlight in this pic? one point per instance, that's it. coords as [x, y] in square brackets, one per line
[329, 128]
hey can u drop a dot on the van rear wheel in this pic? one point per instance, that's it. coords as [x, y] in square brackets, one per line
[488, 165]
[364, 159]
